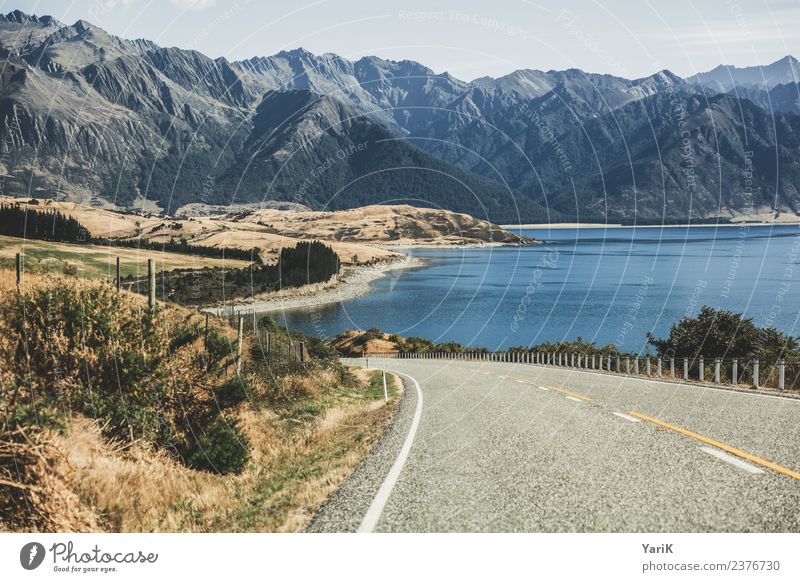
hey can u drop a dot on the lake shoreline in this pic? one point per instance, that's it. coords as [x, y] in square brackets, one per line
[351, 283]
[599, 225]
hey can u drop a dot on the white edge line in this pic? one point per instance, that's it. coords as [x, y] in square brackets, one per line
[573, 398]
[723, 456]
[627, 417]
[382, 496]
[543, 388]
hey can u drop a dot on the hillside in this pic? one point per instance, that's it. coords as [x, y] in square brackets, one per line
[153, 430]
[363, 232]
[129, 124]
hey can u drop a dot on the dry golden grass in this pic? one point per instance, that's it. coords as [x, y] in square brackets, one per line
[133, 488]
[36, 481]
[347, 343]
[359, 233]
[81, 479]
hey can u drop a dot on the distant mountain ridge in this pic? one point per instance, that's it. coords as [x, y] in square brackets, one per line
[98, 118]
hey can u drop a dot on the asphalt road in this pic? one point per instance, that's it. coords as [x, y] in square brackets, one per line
[479, 446]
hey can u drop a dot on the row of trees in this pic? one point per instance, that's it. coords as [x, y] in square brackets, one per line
[305, 263]
[182, 246]
[52, 225]
[48, 225]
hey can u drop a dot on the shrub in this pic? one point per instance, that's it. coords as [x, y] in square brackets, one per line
[232, 392]
[183, 332]
[85, 348]
[218, 346]
[222, 448]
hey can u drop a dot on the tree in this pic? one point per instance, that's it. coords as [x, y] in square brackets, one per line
[719, 333]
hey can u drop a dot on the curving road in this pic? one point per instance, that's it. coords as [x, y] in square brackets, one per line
[480, 446]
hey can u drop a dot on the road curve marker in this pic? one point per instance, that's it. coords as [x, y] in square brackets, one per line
[382, 496]
[727, 448]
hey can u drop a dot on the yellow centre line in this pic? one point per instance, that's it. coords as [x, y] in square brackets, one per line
[568, 393]
[719, 445]
[559, 390]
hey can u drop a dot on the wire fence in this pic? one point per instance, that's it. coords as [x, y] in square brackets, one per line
[778, 374]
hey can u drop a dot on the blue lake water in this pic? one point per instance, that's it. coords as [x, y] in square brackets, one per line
[607, 285]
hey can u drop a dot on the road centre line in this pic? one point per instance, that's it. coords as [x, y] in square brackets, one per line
[727, 448]
[627, 417]
[552, 388]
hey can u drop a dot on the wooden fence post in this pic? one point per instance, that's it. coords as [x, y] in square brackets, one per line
[239, 350]
[119, 279]
[151, 281]
[19, 269]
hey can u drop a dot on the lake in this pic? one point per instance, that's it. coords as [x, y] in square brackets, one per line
[607, 285]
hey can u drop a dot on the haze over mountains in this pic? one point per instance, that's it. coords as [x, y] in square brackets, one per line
[90, 116]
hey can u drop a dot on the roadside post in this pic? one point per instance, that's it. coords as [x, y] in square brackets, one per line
[151, 281]
[781, 374]
[239, 346]
[716, 370]
[119, 278]
[19, 269]
[385, 391]
[701, 373]
[755, 373]
[735, 371]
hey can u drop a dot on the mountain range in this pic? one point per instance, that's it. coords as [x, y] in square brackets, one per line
[91, 117]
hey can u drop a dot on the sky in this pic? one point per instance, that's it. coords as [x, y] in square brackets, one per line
[467, 38]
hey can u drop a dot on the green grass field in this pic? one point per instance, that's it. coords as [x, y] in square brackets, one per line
[97, 262]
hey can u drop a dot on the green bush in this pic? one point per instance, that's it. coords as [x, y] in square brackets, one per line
[218, 346]
[222, 448]
[232, 392]
[183, 332]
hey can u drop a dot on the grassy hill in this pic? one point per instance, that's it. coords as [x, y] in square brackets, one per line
[116, 419]
[98, 261]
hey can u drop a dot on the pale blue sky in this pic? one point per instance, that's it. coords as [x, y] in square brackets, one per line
[468, 38]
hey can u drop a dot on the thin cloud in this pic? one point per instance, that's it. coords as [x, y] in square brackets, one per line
[193, 4]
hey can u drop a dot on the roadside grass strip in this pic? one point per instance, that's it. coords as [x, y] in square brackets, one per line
[727, 448]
